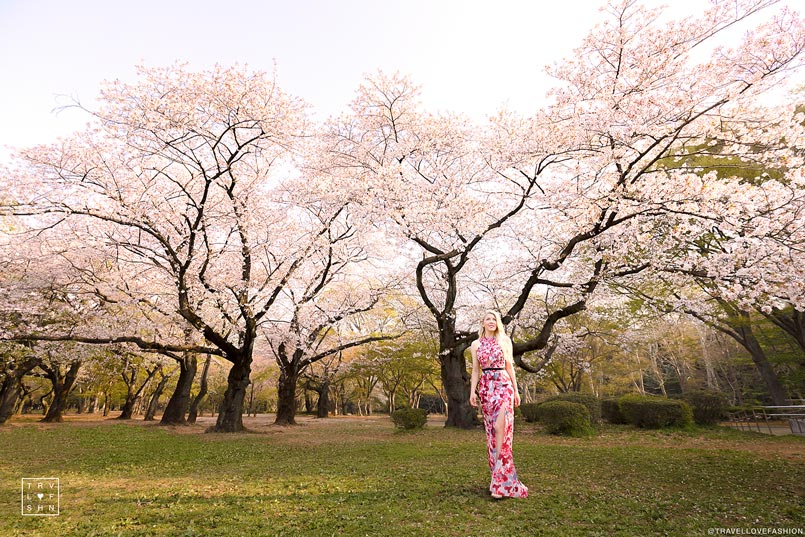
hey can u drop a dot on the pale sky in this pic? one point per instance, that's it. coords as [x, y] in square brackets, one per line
[470, 56]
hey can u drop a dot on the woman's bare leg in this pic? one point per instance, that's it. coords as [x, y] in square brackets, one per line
[500, 431]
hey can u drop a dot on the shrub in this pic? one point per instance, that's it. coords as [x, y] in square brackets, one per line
[708, 406]
[409, 418]
[652, 412]
[611, 411]
[592, 403]
[564, 417]
[529, 411]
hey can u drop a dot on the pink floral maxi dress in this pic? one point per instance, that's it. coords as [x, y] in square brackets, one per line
[496, 393]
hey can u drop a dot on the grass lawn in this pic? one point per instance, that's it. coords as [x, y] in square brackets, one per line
[358, 476]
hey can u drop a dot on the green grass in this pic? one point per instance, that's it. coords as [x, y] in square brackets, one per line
[353, 477]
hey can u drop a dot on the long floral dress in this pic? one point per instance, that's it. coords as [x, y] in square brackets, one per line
[496, 393]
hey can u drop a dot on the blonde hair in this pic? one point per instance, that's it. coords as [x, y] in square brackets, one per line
[501, 337]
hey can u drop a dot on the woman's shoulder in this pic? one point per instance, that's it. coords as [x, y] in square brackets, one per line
[474, 344]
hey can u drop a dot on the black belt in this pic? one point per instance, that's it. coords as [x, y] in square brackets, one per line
[492, 369]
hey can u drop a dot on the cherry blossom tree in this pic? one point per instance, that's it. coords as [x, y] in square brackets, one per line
[174, 179]
[186, 183]
[183, 200]
[561, 196]
[35, 301]
[52, 291]
[744, 259]
[327, 316]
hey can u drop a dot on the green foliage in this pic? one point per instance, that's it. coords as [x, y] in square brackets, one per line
[710, 156]
[652, 412]
[529, 411]
[590, 401]
[708, 406]
[611, 410]
[409, 418]
[565, 418]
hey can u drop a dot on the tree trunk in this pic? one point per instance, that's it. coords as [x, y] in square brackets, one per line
[93, 407]
[10, 387]
[82, 404]
[45, 404]
[178, 404]
[202, 391]
[62, 385]
[230, 414]
[659, 375]
[286, 397]
[153, 403]
[342, 401]
[25, 396]
[740, 329]
[456, 382]
[323, 406]
[132, 395]
[391, 395]
[250, 408]
[765, 368]
[128, 407]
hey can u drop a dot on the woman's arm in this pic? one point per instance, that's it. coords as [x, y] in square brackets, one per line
[474, 378]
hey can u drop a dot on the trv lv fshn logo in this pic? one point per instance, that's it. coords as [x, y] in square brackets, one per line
[40, 496]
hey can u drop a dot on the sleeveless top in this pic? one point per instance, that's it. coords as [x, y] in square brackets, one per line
[489, 353]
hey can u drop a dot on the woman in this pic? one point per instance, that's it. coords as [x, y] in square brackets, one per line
[493, 375]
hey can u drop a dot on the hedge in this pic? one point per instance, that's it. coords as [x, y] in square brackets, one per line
[564, 417]
[652, 412]
[611, 410]
[529, 411]
[409, 418]
[709, 407]
[592, 403]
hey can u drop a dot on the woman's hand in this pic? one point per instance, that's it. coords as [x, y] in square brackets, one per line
[516, 399]
[473, 399]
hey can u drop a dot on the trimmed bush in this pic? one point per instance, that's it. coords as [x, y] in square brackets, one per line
[587, 399]
[652, 412]
[529, 411]
[409, 418]
[565, 417]
[709, 407]
[611, 411]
